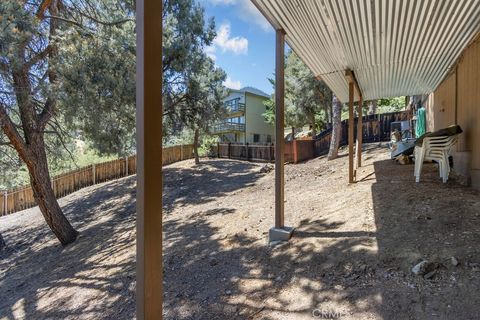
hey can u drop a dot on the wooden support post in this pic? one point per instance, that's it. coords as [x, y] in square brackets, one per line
[229, 151]
[126, 166]
[218, 149]
[295, 150]
[181, 152]
[351, 125]
[352, 87]
[94, 174]
[359, 132]
[149, 285]
[279, 127]
[246, 150]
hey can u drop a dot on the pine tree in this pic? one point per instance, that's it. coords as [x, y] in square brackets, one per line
[307, 99]
[32, 42]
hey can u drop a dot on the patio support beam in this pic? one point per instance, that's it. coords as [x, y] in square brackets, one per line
[149, 287]
[351, 125]
[279, 232]
[350, 76]
[353, 88]
[279, 128]
[359, 132]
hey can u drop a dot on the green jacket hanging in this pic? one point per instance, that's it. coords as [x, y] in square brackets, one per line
[420, 127]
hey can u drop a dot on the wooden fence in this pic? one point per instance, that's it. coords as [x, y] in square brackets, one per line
[294, 151]
[375, 128]
[21, 198]
[249, 152]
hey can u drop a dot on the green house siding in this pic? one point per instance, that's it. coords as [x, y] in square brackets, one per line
[246, 124]
[255, 125]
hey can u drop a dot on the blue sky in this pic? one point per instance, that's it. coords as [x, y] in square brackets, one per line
[245, 43]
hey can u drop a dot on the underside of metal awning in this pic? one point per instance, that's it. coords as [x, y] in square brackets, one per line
[394, 48]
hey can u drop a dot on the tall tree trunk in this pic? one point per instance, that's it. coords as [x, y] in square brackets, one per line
[372, 107]
[195, 145]
[45, 196]
[330, 123]
[336, 128]
[33, 154]
[30, 143]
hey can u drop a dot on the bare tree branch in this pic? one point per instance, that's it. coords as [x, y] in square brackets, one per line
[106, 23]
[46, 114]
[11, 132]
[65, 20]
[40, 56]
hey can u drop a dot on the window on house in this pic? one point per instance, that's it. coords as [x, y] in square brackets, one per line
[256, 137]
[269, 138]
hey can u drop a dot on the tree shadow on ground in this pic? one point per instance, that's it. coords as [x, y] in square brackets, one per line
[254, 275]
[326, 266]
[95, 276]
[89, 279]
[206, 182]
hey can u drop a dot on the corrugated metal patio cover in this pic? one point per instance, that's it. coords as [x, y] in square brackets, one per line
[394, 47]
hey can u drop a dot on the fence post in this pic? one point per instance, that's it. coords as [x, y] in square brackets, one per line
[5, 203]
[218, 149]
[126, 166]
[295, 150]
[271, 151]
[93, 173]
[246, 149]
[229, 150]
[181, 152]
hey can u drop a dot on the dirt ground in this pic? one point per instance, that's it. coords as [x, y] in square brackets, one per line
[350, 258]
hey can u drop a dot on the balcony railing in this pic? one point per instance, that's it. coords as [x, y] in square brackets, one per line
[234, 106]
[225, 127]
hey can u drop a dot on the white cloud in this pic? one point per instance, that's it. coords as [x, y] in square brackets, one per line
[247, 11]
[237, 45]
[229, 83]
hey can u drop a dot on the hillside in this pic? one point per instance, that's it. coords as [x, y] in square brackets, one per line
[352, 251]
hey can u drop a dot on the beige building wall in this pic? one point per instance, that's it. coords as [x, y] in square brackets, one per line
[441, 105]
[457, 100]
[255, 121]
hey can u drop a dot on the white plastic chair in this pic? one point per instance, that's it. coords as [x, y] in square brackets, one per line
[434, 149]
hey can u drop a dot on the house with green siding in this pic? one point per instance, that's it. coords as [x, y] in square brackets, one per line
[244, 121]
